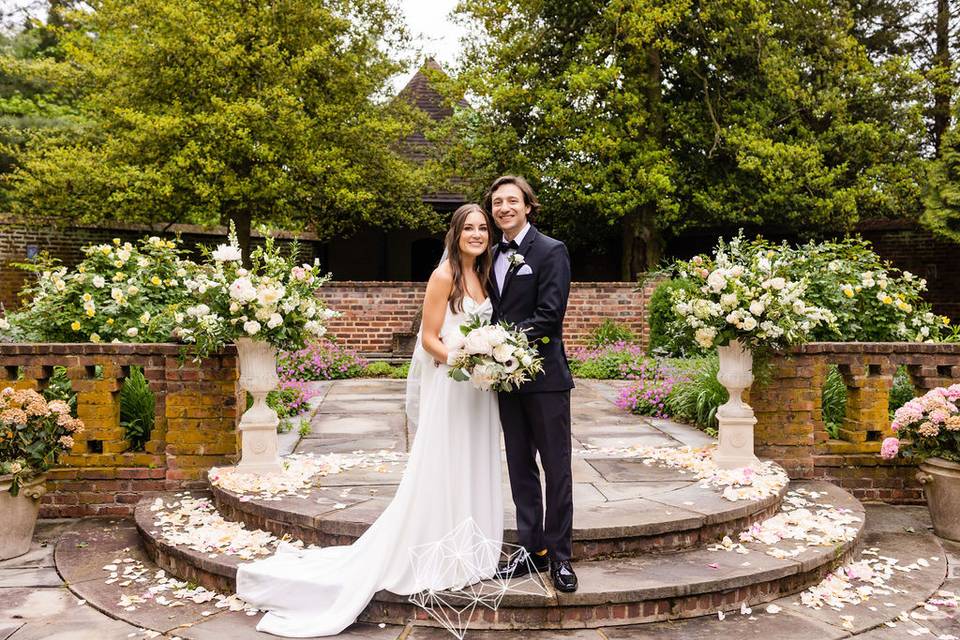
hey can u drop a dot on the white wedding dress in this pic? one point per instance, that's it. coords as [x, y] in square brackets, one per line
[452, 475]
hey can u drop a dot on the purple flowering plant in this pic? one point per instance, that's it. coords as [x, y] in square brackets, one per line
[321, 359]
[649, 394]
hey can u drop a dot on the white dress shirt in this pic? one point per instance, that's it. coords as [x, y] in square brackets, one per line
[502, 264]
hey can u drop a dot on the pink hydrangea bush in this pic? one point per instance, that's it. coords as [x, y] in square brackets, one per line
[928, 426]
[33, 434]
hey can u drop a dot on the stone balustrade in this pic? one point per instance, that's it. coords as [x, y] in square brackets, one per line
[790, 427]
[197, 410]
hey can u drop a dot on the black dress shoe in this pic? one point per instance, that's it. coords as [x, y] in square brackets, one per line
[564, 579]
[517, 565]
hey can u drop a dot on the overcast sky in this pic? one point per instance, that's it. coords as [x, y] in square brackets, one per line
[432, 31]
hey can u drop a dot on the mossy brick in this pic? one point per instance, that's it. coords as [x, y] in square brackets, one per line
[138, 459]
[139, 473]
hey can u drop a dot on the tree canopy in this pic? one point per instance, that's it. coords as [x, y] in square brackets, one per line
[648, 117]
[254, 111]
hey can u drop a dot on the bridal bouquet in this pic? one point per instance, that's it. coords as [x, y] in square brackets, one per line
[492, 356]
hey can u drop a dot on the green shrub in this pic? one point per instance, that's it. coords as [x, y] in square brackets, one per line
[609, 332]
[400, 371]
[662, 340]
[903, 390]
[697, 394]
[378, 370]
[834, 401]
[137, 409]
[618, 361]
[59, 387]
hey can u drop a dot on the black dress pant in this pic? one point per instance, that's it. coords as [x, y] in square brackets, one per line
[539, 423]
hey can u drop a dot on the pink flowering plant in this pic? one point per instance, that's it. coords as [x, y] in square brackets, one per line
[926, 427]
[33, 434]
[648, 395]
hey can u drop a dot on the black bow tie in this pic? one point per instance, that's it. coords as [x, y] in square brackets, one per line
[505, 246]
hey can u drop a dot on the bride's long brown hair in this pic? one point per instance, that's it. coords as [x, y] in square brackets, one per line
[483, 263]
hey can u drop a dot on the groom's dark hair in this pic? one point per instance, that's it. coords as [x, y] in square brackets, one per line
[529, 197]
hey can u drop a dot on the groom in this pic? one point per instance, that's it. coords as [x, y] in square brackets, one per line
[532, 282]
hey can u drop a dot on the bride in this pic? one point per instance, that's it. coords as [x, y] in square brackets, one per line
[453, 473]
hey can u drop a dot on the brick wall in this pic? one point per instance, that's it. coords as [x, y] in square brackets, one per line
[379, 316]
[197, 411]
[790, 427]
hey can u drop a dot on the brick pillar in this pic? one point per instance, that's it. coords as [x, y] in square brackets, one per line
[202, 412]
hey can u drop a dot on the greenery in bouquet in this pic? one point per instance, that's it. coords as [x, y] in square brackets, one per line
[118, 293]
[870, 300]
[33, 434]
[492, 356]
[273, 300]
[928, 426]
[746, 291]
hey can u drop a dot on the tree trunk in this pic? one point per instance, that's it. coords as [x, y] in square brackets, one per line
[641, 244]
[241, 223]
[941, 96]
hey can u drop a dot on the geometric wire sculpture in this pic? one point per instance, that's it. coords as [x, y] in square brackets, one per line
[460, 573]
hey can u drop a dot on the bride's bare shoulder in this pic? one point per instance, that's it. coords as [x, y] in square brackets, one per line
[443, 274]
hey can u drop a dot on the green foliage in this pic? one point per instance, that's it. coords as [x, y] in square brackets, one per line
[206, 110]
[942, 196]
[871, 300]
[639, 119]
[378, 370]
[616, 361]
[609, 332]
[59, 387]
[285, 401]
[401, 371]
[834, 399]
[902, 391]
[698, 394]
[662, 340]
[137, 409]
[304, 428]
[118, 292]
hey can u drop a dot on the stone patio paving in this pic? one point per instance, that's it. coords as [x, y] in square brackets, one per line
[367, 414]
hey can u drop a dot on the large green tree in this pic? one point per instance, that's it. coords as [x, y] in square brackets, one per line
[648, 117]
[251, 111]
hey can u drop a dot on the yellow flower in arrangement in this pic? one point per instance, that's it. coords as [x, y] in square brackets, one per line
[81, 268]
[95, 337]
[117, 277]
[116, 241]
[886, 300]
[110, 321]
[105, 250]
[847, 290]
[170, 244]
[91, 312]
[118, 264]
[156, 281]
[75, 325]
[945, 319]
[87, 297]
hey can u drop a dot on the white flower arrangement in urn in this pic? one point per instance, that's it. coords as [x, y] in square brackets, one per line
[269, 306]
[743, 302]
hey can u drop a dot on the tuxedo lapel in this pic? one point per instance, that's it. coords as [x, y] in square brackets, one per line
[524, 248]
[494, 291]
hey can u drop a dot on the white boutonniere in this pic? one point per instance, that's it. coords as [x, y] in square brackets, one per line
[516, 260]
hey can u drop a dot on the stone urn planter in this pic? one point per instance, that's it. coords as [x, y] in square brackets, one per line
[258, 425]
[19, 515]
[941, 484]
[735, 417]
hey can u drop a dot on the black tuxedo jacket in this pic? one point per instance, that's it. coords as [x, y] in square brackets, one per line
[536, 302]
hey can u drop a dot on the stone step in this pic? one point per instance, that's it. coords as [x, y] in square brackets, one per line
[614, 591]
[668, 512]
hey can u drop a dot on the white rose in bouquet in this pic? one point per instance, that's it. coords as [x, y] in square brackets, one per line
[275, 321]
[757, 307]
[728, 300]
[483, 376]
[269, 296]
[704, 336]
[252, 327]
[478, 343]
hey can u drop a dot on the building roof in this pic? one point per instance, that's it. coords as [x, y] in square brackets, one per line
[421, 94]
